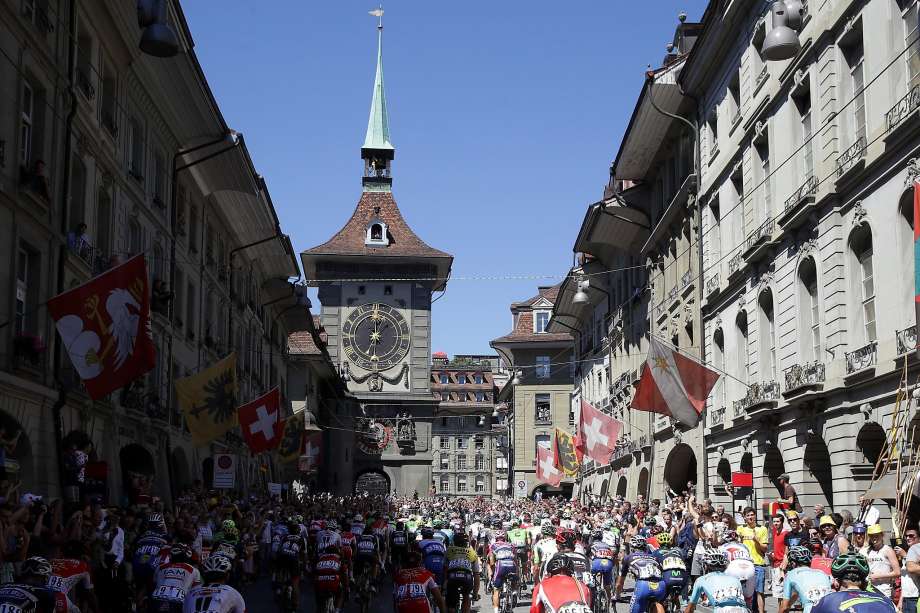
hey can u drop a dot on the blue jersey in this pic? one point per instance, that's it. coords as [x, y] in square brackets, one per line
[600, 549]
[147, 551]
[643, 565]
[445, 535]
[433, 554]
[808, 584]
[854, 601]
[720, 589]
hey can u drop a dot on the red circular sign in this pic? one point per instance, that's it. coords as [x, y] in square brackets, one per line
[224, 461]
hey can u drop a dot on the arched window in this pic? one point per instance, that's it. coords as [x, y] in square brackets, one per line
[377, 233]
[905, 242]
[809, 312]
[861, 249]
[742, 355]
[718, 360]
[767, 337]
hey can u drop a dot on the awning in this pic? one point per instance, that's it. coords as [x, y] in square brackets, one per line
[611, 227]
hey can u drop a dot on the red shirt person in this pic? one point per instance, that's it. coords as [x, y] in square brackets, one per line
[412, 586]
[559, 588]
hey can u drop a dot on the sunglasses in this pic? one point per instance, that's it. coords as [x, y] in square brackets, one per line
[910, 536]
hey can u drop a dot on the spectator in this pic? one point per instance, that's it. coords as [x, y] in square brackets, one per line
[778, 532]
[755, 538]
[910, 572]
[883, 563]
[860, 545]
[833, 543]
[797, 534]
[789, 497]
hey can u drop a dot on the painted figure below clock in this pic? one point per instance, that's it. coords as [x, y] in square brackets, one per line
[375, 337]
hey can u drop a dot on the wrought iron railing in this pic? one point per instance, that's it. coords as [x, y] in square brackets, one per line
[907, 340]
[686, 279]
[862, 358]
[717, 416]
[808, 188]
[851, 156]
[800, 375]
[620, 386]
[712, 284]
[672, 294]
[762, 77]
[734, 264]
[903, 108]
[756, 394]
[764, 230]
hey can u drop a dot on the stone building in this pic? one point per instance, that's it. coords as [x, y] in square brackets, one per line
[805, 196]
[538, 397]
[463, 442]
[106, 152]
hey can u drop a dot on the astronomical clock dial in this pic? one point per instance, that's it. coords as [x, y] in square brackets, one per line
[375, 337]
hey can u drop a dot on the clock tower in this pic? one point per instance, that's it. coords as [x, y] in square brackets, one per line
[375, 279]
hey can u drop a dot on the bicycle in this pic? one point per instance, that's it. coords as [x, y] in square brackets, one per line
[508, 596]
[284, 591]
[363, 591]
[599, 594]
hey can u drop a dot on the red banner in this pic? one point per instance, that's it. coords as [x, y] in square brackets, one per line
[104, 325]
[742, 479]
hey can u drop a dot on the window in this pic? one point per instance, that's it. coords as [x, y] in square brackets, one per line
[22, 291]
[542, 370]
[461, 379]
[767, 337]
[853, 53]
[480, 397]
[445, 483]
[461, 442]
[763, 155]
[911, 32]
[803, 102]
[461, 483]
[387, 290]
[77, 198]
[109, 93]
[743, 357]
[461, 462]
[190, 313]
[501, 462]
[540, 320]
[104, 223]
[480, 484]
[734, 98]
[479, 442]
[443, 378]
[712, 130]
[445, 442]
[542, 409]
[445, 396]
[718, 360]
[159, 180]
[136, 149]
[26, 124]
[810, 335]
[444, 461]
[540, 440]
[193, 228]
[715, 233]
[477, 378]
[135, 237]
[501, 484]
[861, 244]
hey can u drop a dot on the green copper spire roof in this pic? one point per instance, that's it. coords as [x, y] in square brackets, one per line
[378, 124]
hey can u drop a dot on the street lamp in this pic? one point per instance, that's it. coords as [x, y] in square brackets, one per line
[516, 380]
[782, 41]
[581, 296]
[158, 39]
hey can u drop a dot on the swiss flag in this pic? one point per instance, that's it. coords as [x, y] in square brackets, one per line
[597, 433]
[104, 326]
[546, 468]
[673, 384]
[261, 423]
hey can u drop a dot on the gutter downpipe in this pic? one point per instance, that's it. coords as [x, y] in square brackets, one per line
[698, 219]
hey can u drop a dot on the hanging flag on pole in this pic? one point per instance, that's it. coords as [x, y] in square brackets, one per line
[566, 456]
[291, 439]
[917, 257]
[597, 433]
[260, 421]
[673, 384]
[546, 469]
[208, 400]
[105, 327]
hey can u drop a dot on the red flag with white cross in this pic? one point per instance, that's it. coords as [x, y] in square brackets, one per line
[597, 433]
[261, 423]
[104, 326]
[546, 467]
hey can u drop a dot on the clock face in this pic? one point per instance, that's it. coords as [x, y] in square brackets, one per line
[375, 337]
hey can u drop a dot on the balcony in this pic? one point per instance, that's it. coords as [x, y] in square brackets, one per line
[852, 157]
[800, 377]
[713, 284]
[905, 108]
[716, 417]
[798, 205]
[757, 242]
[759, 396]
[623, 450]
[907, 340]
[619, 389]
[862, 360]
[761, 78]
[672, 295]
[734, 264]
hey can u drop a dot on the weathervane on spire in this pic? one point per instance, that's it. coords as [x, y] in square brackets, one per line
[378, 13]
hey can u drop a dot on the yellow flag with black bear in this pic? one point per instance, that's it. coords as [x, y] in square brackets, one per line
[566, 456]
[209, 400]
[292, 439]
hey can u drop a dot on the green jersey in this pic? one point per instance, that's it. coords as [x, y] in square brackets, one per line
[518, 537]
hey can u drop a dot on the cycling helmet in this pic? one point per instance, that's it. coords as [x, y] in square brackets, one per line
[664, 539]
[548, 530]
[437, 524]
[155, 523]
[566, 514]
[427, 532]
[217, 565]
[637, 542]
[597, 534]
[357, 518]
[496, 523]
[799, 555]
[180, 552]
[460, 540]
[227, 525]
[608, 524]
[233, 534]
[501, 536]
[714, 559]
[731, 536]
[850, 566]
[297, 518]
[566, 538]
[560, 564]
[649, 521]
[37, 567]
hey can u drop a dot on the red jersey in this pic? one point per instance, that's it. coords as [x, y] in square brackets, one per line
[554, 592]
[67, 574]
[327, 576]
[410, 590]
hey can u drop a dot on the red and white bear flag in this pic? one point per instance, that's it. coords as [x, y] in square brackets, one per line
[673, 384]
[104, 325]
[597, 433]
[546, 468]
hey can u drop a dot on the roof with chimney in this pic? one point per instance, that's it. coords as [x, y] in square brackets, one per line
[523, 311]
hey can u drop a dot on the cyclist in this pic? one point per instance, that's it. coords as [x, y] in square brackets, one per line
[399, 545]
[174, 580]
[214, 595]
[413, 585]
[31, 593]
[518, 537]
[368, 559]
[503, 566]
[292, 553]
[645, 567]
[803, 583]
[723, 591]
[433, 554]
[72, 572]
[146, 558]
[544, 549]
[330, 579]
[442, 533]
[603, 561]
[560, 589]
[358, 525]
[851, 570]
[567, 542]
[463, 569]
[673, 567]
[740, 564]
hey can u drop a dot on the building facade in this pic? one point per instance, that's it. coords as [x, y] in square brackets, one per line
[463, 441]
[105, 153]
[379, 326]
[806, 196]
[538, 397]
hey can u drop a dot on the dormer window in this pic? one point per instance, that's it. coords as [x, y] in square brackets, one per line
[377, 234]
[540, 321]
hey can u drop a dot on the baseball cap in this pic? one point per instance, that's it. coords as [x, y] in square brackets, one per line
[874, 529]
[859, 528]
[827, 520]
[792, 515]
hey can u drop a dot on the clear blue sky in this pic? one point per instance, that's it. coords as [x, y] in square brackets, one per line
[505, 116]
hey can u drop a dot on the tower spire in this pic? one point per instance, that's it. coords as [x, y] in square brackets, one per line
[378, 128]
